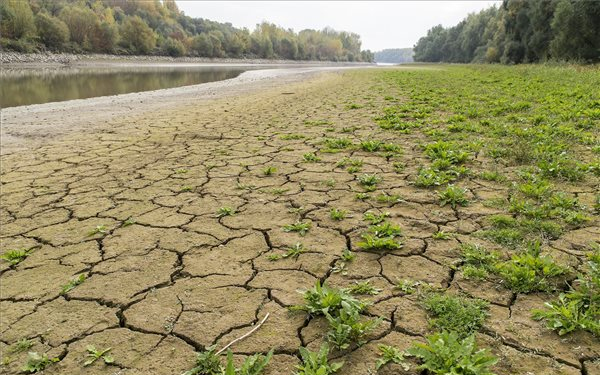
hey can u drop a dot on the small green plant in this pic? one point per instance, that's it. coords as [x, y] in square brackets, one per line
[268, 171]
[129, 221]
[442, 235]
[338, 215]
[398, 166]
[375, 218]
[454, 196]
[389, 199]
[492, 176]
[186, 188]
[362, 196]
[461, 315]
[181, 171]
[299, 227]
[94, 355]
[295, 251]
[364, 288]
[311, 157]
[317, 363]
[372, 242]
[72, 284]
[529, 272]
[353, 165]
[369, 181]
[348, 255]
[99, 229]
[225, 211]
[386, 229]
[389, 354]
[371, 145]
[446, 353]
[292, 137]
[322, 300]
[21, 346]
[16, 256]
[347, 326]
[407, 286]
[579, 307]
[37, 362]
[476, 273]
[207, 363]
[337, 143]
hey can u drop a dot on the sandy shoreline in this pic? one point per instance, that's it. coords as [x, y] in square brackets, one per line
[27, 126]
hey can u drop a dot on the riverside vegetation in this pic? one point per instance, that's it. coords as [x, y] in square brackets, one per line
[440, 219]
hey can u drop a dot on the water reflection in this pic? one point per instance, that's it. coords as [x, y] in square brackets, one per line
[28, 86]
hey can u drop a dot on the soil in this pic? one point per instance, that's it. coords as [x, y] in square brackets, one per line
[179, 278]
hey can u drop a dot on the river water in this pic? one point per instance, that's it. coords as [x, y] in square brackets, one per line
[35, 86]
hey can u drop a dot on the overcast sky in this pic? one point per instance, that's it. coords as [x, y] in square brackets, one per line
[381, 24]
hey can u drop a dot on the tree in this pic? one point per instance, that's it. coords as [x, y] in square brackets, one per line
[53, 32]
[137, 36]
[16, 19]
[82, 23]
[202, 45]
[173, 47]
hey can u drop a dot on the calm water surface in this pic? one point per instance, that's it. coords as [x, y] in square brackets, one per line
[35, 86]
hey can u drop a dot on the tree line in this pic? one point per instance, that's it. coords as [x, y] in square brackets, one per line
[155, 27]
[519, 31]
[394, 55]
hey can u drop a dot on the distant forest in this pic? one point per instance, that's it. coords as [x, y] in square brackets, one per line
[154, 27]
[519, 31]
[394, 56]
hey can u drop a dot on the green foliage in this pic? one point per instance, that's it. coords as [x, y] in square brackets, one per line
[337, 143]
[447, 353]
[369, 181]
[209, 363]
[381, 236]
[15, 256]
[529, 272]
[371, 145]
[300, 227]
[364, 288]
[460, 315]
[53, 32]
[93, 355]
[72, 284]
[317, 363]
[454, 196]
[17, 20]
[37, 362]
[578, 308]
[322, 300]
[347, 326]
[338, 215]
[268, 171]
[21, 346]
[225, 211]
[517, 32]
[375, 218]
[407, 286]
[442, 235]
[311, 157]
[389, 354]
[99, 229]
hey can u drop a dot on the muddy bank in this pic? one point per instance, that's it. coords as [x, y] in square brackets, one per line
[28, 126]
[34, 59]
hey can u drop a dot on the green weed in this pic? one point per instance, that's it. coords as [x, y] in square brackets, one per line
[311, 157]
[338, 215]
[454, 196]
[225, 211]
[269, 171]
[16, 256]
[93, 355]
[389, 354]
[299, 227]
[317, 363]
[363, 288]
[37, 362]
[72, 284]
[460, 315]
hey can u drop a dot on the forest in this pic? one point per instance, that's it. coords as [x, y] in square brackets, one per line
[518, 31]
[394, 55]
[154, 27]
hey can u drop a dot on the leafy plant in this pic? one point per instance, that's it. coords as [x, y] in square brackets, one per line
[322, 300]
[225, 211]
[347, 326]
[338, 215]
[461, 315]
[578, 308]
[362, 196]
[300, 227]
[311, 157]
[447, 353]
[93, 355]
[294, 251]
[129, 221]
[37, 362]
[268, 171]
[317, 363]
[372, 242]
[407, 286]
[454, 196]
[375, 218]
[363, 287]
[207, 363]
[253, 365]
[21, 346]
[371, 145]
[16, 256]
[529, 272]
[369, 181]
[442, 235]
[389, 354]
[337, 143]
[99, 229]
[72, 284]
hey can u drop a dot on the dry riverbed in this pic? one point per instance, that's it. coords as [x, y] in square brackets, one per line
[173, 205]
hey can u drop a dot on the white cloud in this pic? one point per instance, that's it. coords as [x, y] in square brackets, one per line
[381, 24]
